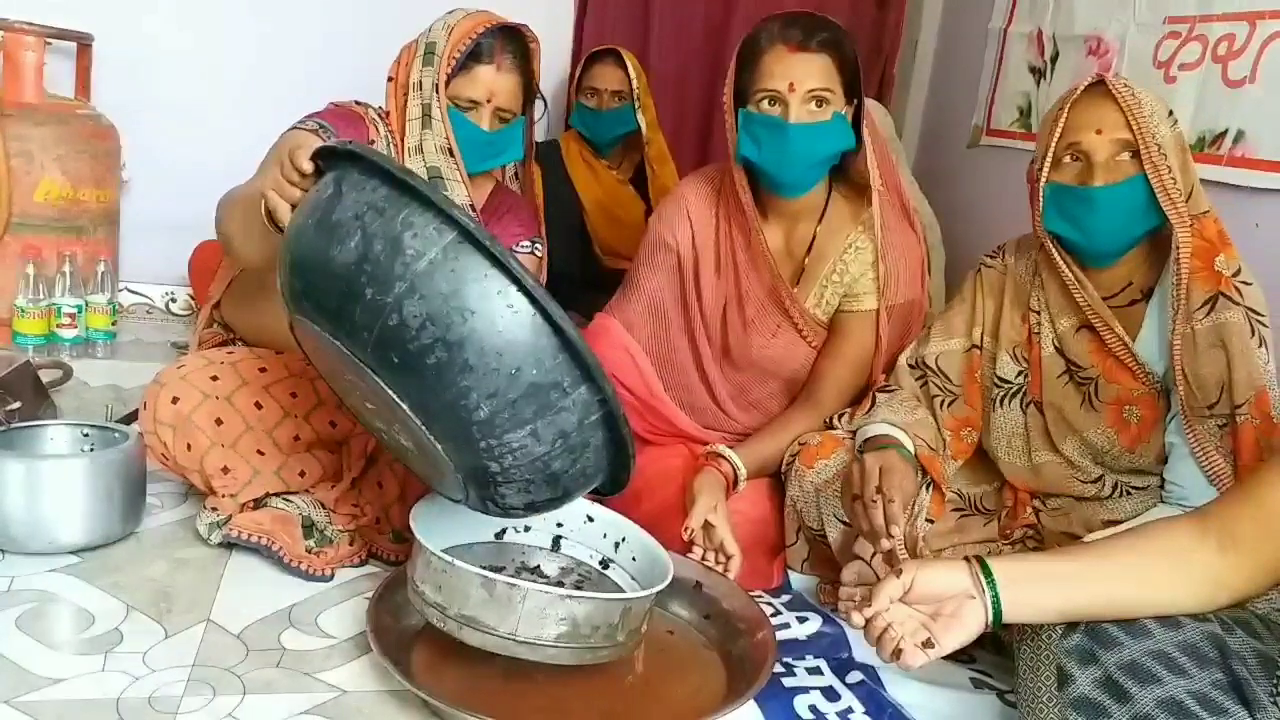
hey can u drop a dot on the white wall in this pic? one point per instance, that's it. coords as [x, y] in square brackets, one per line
[915, 71]
[199, 90]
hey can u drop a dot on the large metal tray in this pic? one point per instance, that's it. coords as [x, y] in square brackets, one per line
[709, 604]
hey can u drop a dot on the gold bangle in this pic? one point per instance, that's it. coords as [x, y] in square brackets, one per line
[269, 221]
[739, 468]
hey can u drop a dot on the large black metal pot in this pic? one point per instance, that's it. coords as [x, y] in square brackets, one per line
[443, 346]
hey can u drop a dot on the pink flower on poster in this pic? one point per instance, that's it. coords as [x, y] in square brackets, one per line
[1036, 48]
[1100, 55]
[1242, 150]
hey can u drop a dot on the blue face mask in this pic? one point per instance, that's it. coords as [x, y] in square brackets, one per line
[1099, 225]
[790, 159]
[604, 130]
[483, 150]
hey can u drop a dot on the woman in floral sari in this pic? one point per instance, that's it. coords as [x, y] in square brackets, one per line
[601, 180]
[1110, 367]
[246, 418]
[744, 319]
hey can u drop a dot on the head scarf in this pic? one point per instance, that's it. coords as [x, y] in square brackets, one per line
[416, 127]
[1034, 419]
[614, 212]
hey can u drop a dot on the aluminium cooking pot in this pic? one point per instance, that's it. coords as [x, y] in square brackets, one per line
[443, 346]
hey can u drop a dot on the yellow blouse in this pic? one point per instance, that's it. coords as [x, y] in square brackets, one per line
[851, 281]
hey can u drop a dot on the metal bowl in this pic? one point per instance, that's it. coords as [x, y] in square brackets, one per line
[428, 330]
[69, 485]
[713, 607]
[569, 587]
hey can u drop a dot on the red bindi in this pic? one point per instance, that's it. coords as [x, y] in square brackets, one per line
[791, 87]
[1097, 131]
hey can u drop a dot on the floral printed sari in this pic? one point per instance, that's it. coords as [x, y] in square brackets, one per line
[1034, 421]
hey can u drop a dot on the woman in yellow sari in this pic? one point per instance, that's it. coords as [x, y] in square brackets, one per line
[601, 179]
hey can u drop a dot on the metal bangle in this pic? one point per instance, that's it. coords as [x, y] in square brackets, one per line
[739, 468]
[976, 572]
[269, 221]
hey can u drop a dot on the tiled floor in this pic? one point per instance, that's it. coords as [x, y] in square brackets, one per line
[161, 625]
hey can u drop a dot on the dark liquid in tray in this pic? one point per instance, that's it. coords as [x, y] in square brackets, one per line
[673, 675]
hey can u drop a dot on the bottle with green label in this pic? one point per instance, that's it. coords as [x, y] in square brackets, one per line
[30, 323]
[67, 309]
[101, 310]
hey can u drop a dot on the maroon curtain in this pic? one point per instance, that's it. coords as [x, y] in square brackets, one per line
[686, 47]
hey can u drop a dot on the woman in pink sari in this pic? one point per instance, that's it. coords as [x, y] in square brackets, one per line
[746, 316]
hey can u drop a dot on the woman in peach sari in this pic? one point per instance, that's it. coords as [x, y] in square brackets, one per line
[1108, 368]
[744, 319]
[246, 418]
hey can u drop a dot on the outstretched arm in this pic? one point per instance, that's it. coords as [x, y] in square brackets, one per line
[1219, 555]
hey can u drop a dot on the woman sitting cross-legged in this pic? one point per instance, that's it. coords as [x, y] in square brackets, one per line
[246, 418]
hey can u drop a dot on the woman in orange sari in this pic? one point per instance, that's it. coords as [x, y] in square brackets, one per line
[246, 418]
[601, 179]
[1108, 368]
[744, 319]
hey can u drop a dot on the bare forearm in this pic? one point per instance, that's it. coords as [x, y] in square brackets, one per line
[838, 378]
[242, 231]
[1214, 557]
[762, 452]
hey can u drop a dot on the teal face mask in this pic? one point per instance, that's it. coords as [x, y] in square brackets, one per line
[1099, 225]
[604, 130]
[790, 159]
[483, 150]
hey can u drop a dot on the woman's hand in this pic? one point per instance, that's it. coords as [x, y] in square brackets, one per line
[707, 525]
[921, 611]
[883, 481]
[287, 174]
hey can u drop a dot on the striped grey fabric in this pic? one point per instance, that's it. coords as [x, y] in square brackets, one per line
[1220, 666]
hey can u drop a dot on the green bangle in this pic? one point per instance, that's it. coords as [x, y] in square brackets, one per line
[993, 593]
[895, 446]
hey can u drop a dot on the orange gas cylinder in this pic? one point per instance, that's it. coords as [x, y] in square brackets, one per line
[60, 168]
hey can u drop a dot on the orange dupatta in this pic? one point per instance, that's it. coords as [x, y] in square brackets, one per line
[413, 129]
[614, 211]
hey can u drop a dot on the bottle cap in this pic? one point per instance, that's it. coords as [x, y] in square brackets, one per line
[31, 251]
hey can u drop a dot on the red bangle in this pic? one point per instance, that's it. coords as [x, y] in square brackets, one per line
[718, 467]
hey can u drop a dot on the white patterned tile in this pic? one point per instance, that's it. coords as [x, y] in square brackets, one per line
[168, 500]
[163, 670]
[90, 686]
[362, 674]
[178, 651]
[15, 565]
[8, 713]
[340, 622]
[253, 587]
[125, 374]
[282, 706]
